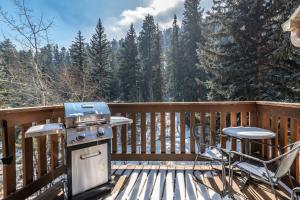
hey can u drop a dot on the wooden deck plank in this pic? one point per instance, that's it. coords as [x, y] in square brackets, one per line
[159, 185]
[180, 184]
[202, 191]
[139, 184]
[119, 179]
[129, 185]
[214, 195]
[190, 189]
[169, 185]
[149, 184]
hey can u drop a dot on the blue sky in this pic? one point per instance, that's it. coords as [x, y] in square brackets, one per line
[73, 15]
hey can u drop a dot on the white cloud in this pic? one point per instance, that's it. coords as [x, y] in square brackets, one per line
[155, 8]
[162, 10]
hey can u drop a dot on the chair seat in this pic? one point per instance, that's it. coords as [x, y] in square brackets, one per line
[258, 171]
[214, 154]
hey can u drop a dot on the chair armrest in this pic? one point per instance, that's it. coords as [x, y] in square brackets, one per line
[246, 156]
[296, 189]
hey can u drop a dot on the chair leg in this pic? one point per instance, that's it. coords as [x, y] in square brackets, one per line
[194, 168]
[274, 191]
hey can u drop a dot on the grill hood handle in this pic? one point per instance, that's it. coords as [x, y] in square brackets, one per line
[87, 106]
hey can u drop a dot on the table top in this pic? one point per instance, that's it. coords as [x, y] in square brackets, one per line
[249, 133]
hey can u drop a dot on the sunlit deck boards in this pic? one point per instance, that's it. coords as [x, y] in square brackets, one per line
[172, 182]
[176, 182]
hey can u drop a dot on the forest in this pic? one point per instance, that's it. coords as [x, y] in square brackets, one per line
[235, 51]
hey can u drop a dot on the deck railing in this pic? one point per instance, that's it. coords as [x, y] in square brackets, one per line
[160, 131]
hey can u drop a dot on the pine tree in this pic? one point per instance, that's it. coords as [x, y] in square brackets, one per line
[129, 67]
[191, 38]
[213, 56]
[99, 54]
[175, 69]
[146, 49]
[114, 71]
[79, 70]
[158, 81]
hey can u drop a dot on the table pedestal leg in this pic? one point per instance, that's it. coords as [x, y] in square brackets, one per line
[247, 146]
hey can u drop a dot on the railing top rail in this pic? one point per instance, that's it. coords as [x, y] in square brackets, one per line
[159, 104]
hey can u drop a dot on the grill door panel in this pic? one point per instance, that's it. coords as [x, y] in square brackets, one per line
[89, 168]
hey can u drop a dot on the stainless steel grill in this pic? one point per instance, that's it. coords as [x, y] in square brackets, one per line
[88, 134]
[88, 129]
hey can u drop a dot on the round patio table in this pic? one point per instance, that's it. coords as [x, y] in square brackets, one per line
[247, 134]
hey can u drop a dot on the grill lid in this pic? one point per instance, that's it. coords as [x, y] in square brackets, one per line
[86, 113]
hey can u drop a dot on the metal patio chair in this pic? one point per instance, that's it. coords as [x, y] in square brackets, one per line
[211, 154]
[258, 170]
[294, 195]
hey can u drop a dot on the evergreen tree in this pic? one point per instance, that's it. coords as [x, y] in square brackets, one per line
[175, 69]
[146, 47]
[158, 81]
[192, 37]
[129, 67]
[79, 70]
[99, 54]
[114, 71]
[213, 56]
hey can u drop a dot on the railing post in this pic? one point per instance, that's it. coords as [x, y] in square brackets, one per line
[9, 170]
[27, 156]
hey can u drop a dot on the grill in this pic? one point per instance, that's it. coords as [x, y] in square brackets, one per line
[88, 130]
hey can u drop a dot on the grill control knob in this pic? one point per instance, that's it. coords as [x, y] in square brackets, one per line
[100, 132]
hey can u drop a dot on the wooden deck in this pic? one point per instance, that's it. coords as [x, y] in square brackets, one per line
[172, 182]
[177, 182]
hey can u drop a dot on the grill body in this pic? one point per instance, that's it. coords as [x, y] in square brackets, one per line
[88, 149]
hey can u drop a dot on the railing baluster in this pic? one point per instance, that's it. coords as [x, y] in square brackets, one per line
[133, 133]
[54, 151]
[143, 132]
[202, 138]
[283, 131]
[223, 125]
[244, 122]
[152, 132]
[294, 138]
[163, 132]
[192, 139]
[275, 130]
[265, 123]
[27, 156]
[213, 128]
[9, 171]
[182, 132]
[62, 143]
[124, 136]
[233, 123]
[253, 119]
[172, 129]
[42, 155]
[115, 139]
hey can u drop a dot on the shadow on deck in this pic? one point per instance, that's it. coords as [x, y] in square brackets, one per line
[173, 182]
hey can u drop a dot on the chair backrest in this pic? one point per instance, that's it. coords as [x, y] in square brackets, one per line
[197, 133]
[287, 160]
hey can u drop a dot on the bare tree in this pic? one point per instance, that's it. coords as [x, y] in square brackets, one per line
[32, 33]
